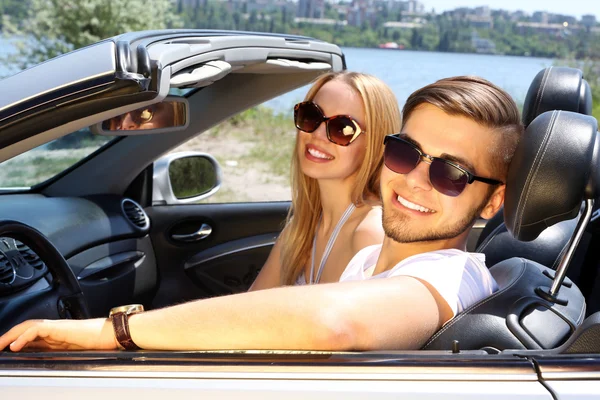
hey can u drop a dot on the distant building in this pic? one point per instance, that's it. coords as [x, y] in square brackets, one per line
[517, 15]
[361, 12]
[458, 13]
[483, 12]
[553, 29]
[311, 9]
[413, 7]
[266, 5]
[561, 19]
[410, 7]
[540, 17]
[320, 21]
[483, 46]
[479, 17]
[476, 21]
[341, 9]
[588, 20]
[402, 25]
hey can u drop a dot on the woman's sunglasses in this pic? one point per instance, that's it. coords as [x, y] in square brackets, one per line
[341, 129]
[143, 115]
[446, 177]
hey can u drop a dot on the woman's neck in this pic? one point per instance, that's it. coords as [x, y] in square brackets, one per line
[335, 199]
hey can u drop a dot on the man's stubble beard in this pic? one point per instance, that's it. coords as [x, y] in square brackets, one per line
[395, 227]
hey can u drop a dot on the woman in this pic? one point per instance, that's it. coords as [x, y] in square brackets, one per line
[335, 179]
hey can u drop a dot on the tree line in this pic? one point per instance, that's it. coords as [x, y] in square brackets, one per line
[46, 28]
[57, 26]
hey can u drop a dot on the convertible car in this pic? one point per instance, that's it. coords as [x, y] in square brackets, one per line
[102, 204]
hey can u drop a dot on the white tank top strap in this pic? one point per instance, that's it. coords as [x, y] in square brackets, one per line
[329, 245]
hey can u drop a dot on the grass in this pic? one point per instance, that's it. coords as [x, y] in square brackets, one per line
[272, 136]
[37, 166]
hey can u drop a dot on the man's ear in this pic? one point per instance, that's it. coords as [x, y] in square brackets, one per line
[494, 203]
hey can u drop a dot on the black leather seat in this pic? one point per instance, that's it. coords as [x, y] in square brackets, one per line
[555, 168]
[554, 88]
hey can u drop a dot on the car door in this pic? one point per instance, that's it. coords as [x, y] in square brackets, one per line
[276, 375]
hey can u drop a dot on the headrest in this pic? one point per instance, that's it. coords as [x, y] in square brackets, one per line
[549, 175]
[557, 88]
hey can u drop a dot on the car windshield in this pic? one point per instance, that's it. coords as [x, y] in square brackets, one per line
[46, 161]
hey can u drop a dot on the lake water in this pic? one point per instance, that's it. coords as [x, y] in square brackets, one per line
[406, 71]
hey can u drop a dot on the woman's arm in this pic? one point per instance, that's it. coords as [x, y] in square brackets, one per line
[270, 274]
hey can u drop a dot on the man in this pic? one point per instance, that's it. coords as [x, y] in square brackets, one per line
[441, 172]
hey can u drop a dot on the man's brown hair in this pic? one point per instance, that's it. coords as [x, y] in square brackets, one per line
[480, 101]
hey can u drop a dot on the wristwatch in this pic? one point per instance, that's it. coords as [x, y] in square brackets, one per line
[119, 317]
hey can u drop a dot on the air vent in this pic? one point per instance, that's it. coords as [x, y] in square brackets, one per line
[135, 214]
[30, 256]
[7, 272]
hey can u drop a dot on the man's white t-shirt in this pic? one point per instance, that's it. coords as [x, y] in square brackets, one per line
[461, 278]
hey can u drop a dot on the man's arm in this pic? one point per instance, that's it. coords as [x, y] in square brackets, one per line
[392, 313]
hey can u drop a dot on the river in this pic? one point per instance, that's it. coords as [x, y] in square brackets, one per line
[405, 71]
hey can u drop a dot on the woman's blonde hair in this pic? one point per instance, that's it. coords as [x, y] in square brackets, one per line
[382, 117]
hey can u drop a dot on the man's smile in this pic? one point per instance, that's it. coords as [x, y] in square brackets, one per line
[413, 206]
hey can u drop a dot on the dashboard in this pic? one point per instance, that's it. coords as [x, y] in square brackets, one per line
[103, 238]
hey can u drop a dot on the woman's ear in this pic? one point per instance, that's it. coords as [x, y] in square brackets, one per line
[494, 203]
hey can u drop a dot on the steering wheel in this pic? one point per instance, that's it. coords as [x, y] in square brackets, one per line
[62, 299]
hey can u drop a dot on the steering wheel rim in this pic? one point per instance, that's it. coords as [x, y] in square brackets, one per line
[62, 299]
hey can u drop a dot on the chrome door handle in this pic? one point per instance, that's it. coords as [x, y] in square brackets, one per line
[204, 231]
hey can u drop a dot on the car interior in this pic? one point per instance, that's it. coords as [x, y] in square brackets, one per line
[109, 230]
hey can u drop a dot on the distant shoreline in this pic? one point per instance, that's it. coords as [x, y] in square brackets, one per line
[445, 52]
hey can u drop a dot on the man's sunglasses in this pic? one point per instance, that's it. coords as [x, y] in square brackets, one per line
[341, 129]
[401, 156]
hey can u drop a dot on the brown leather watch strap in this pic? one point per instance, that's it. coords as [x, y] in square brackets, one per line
[121, 327]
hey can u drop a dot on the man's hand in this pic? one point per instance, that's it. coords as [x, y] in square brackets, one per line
[61, 335]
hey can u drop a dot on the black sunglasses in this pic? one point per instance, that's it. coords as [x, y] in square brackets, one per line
[402, 156]
[341, 129]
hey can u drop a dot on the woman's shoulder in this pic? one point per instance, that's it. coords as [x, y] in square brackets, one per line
[369, 229]
[370, 217]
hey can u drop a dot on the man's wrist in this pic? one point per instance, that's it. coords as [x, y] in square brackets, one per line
[111, 329]
[133, 327]
[119, 317]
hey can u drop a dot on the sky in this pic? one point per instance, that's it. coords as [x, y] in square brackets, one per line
[576, 8]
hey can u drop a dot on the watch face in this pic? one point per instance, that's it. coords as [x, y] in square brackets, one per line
[128, 309]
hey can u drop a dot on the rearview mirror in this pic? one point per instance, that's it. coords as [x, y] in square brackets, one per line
[171, 114]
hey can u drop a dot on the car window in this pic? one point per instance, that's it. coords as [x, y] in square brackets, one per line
[46, 161]
[254, 149]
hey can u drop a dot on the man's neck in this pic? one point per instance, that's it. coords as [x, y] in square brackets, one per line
[393, 252]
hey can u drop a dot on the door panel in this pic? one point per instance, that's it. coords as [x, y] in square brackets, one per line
[230, 267]
[267, 388]
[226, 261]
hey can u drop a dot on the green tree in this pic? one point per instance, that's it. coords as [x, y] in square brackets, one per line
[15, 8]
[54, 27]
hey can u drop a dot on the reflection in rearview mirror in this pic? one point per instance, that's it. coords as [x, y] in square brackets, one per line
[167, 114]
